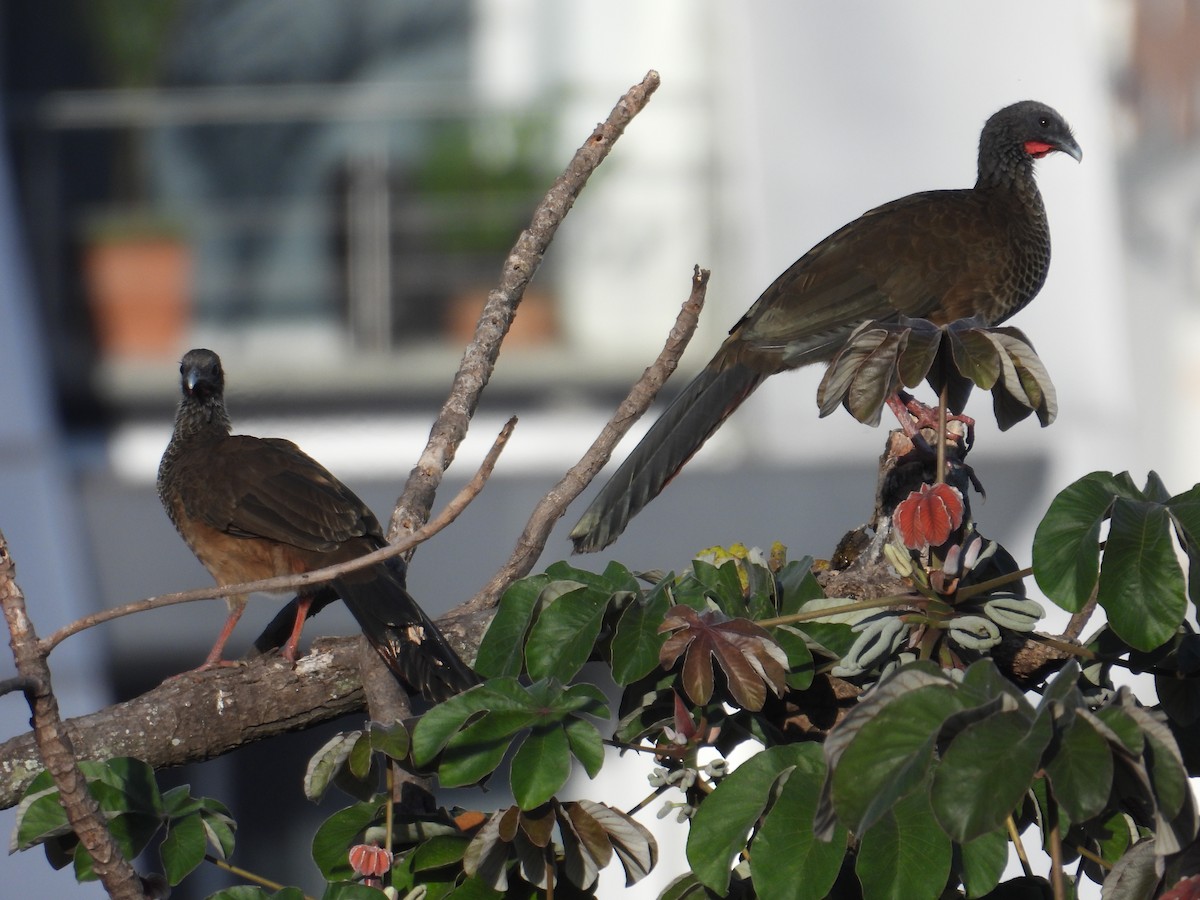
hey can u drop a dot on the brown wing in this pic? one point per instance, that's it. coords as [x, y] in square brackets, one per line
[269, 488]
[933, 255]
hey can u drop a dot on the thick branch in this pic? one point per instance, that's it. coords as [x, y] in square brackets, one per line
[551, 507]
[202, 715]
[50, 744]
[479, 359]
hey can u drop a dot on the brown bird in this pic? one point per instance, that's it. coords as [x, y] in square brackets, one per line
[939, 255]
[253, 508]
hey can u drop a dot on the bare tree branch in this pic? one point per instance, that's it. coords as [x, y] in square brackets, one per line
[479, 359]
[202, 715]
[54, 747]
[551, 507]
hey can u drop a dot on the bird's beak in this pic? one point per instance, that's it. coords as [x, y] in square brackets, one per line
[1072, 149]
[191, 378]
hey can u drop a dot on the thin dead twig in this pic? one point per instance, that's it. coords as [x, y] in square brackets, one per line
[83, 812]
[450, 428]
[551, 507]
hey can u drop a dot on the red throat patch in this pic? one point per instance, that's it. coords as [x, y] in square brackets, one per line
[1037, 149]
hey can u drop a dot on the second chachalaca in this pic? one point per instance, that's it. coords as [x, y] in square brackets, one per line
[253, 508]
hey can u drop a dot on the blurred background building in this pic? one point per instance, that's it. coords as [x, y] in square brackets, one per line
[324, 192]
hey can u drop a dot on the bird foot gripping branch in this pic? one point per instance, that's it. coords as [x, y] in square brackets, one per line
[978, 254]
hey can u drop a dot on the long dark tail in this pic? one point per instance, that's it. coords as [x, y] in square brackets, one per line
[402, 634]
[394, 623]
[671, 441]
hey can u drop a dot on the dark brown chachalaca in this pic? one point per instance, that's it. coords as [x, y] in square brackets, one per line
[253, 508]
[940, 255]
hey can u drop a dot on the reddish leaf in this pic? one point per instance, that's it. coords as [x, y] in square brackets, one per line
[928, 517]
[685, 725]
[1188, 889]
[749, 657]
[538, 825]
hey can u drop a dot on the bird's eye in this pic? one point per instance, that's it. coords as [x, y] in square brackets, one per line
[1044, 122]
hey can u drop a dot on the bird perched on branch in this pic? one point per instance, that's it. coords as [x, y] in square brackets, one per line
[939, 255]
[253, 508]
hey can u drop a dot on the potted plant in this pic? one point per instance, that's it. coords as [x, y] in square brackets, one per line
[136, 262]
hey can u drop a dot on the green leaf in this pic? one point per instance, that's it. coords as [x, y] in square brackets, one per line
[359, 761]
[1081, 772]
[562, 638]
[249, 892]
[133, 831]
[350, 891]
[179, 802]
[801, 668]
[614, 578]
[723, 821]
[40, 815]
[219, 832]
[1066, 545]
[134, 780]
[1123, 732]
[331, 844]
[983, 862]
[1155, 489]
[1141, 583]
[540, 767]
[324, 765]
[443, 850]
[1135, 875]
[1164, 763]
[1114, 838]
[905, 854]
[182, 850]
[475, 889]
[441, 722]
[685, 887]
[474, 753]
[787, 860]
[502, 650]
[722, 584]
[1185, 508]
[587, 745]
[83, 868]
[986, 771]
[890, 755]
[797, 585]
[473, 731]
[975, 356]
[1185, 512]
[636, 642]
[390, 740]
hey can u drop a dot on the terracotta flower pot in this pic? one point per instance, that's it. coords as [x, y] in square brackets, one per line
[139, 293]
